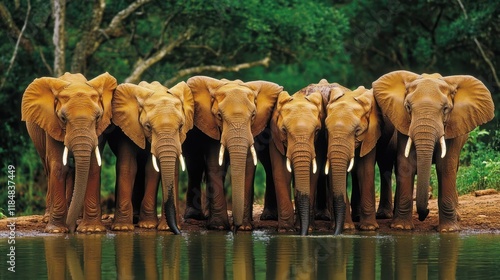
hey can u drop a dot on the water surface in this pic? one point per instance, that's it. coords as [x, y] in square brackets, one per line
[256, 255]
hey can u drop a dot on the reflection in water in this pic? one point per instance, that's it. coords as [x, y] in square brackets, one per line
[257, 255]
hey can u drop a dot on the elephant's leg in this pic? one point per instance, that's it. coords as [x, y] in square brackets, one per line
[322, 209]
[248, 195]
[355, 195]
[405, 175]
[92, 221]
[148, 216]
[126, 170]
[270, 211]
[57, 183]
[282, 179]
[194, 154]
[365, 172]
[385, 207]
[446, 169]
[218, 217]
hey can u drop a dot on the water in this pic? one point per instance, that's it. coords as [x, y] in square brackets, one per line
[256, 255]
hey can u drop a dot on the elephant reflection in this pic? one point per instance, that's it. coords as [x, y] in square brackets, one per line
[64, 259]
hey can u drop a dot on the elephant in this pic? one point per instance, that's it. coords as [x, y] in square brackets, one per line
[67, 116]
[433, 116]
[228, 115]
[296, 127]
[353, 127]
[154, 121]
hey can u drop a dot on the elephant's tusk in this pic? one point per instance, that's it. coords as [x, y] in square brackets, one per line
[315, 166]
[221, 154]
[254, 154]
[65, 156]
[183, 164]
[155, 165]
[327, 167]
[351, 164]
[98, 156]
[408, 147]
[288, 165]
[443, 146]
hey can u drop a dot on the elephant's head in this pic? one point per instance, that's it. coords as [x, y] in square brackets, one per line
[295, 126]
[74, 111]
[429, 109]
[233, 112]
[353, 127]
[149, 111]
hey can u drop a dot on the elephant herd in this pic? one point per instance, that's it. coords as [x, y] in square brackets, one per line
[310, 140]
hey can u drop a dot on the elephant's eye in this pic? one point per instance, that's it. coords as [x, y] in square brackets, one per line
[147, 126]
[446, 109]
[63, 118]
[283, 130]
[408, 107]
[219, 116]
[253, 115]
[98, 116]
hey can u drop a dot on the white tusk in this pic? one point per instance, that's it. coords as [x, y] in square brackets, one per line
[288, 167]
[98, 156]
[351, 164]
[155, 165]
[221, 154]
[315, 167]
[327, 167]
[408, 147]
[254, 154]
[443, 146]
[183, 164]
[65, 156]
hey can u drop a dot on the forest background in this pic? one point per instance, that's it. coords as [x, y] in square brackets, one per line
[293, 43]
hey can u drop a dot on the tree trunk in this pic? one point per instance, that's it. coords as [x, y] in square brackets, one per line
[59, 36]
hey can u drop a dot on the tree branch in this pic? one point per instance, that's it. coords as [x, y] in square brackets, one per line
[483, 54]
[216, 68]
[13, 30]
[142, 65]
[85, 45]
[17, 46]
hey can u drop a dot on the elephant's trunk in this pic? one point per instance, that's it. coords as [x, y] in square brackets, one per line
[82, 151]
[238, 159]
[167, 156]
[302, 161]
[425, 150]
[424, 133]
[340, 155]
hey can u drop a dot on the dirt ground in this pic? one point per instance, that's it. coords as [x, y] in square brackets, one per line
[478, 214]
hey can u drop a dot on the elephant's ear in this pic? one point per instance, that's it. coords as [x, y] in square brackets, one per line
[183, 92]
[105, 85]
[276, 120]
[126, 110]
[202, 88]
[267, 94]
[37, 105]
[472, 105]
[373, 132]
[390, 92]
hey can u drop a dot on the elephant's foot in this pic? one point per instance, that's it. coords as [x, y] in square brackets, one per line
[402, 224]
[286, 225]
[384, 213]
[149, 223]
[269, 215]
[56, 228]
[218, 223]
[122, 223]
[349, 226]
[46, 217]
[194, 213]
[91, 226]
[368, 226]
[246, 226]
[322, 215]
